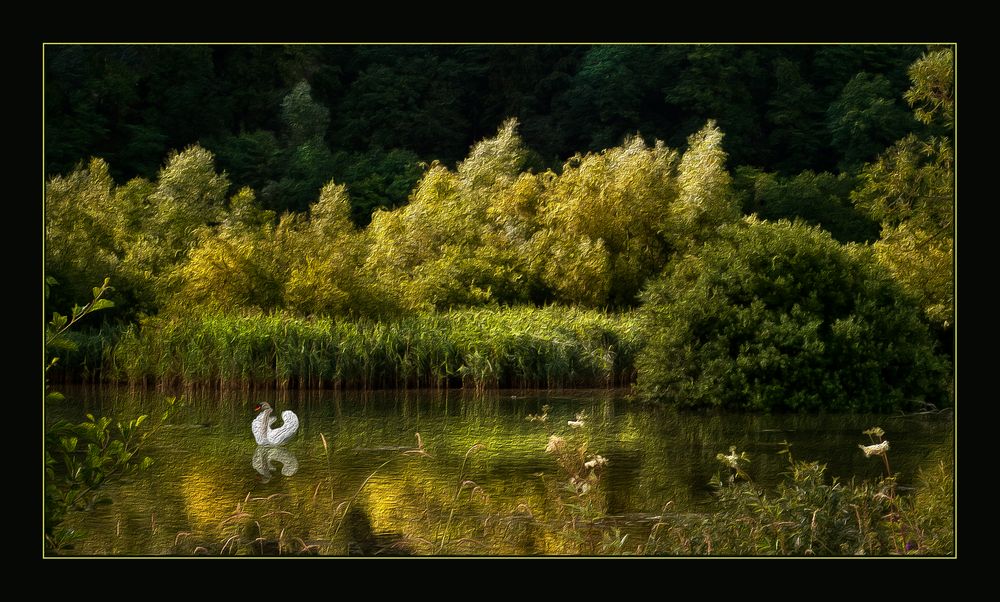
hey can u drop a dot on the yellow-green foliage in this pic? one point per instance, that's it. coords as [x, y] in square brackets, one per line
[486, 232]
[136, 233]
[462, 239]
[605, 215]
[706, 197]
[517, 347]
[932, 94]
[80, 234]
[910, 190]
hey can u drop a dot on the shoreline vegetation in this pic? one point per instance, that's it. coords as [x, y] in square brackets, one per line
[523, 348]
[705, 284]
[762, 229]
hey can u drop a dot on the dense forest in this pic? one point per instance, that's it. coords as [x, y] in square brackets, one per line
[778, 219]
[284, 120]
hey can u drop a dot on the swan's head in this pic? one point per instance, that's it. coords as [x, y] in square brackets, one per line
[262, 406]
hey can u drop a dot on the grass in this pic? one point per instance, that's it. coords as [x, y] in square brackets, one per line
[522, 347]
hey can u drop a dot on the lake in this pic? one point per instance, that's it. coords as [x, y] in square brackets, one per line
[356, 481]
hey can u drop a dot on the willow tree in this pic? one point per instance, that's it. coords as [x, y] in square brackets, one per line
[325, 261]
[705, 200]
[81, 246]
[135, 233]
[910, 191]
[237, 265]
[603, 218]
[462, 238]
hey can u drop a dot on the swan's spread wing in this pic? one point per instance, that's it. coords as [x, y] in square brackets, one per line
[288, 428]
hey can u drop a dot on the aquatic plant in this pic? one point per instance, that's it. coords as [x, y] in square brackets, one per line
[477, 348]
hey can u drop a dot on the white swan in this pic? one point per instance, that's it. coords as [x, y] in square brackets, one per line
[261, 426]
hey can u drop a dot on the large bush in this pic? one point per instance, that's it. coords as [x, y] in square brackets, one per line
[779, 316]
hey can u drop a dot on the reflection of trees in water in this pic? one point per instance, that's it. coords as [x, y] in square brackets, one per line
[656, 455]
[265, 457]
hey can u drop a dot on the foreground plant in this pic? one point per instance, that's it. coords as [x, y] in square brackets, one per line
[810, 515]
[82, 458]
[578, 491]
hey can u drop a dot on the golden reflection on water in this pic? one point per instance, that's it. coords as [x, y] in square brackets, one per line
[372, 490]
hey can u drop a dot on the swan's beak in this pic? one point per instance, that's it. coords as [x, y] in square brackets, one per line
[256, 408]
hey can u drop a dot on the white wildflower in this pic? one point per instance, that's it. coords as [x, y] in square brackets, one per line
[575, 423]
[595, 462]
[733, 459]
[878, 449]
[555, 444]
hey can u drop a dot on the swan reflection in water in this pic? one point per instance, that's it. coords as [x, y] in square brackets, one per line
[264, 458]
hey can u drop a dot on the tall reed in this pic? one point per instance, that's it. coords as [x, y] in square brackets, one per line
[521, 347]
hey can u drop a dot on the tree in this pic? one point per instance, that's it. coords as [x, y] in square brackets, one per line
[796, 119]
[606, 212]
[304, 118]
[865, 119]
[821, 199]
[306, 161]
[932, 91]
[910, 191]
[705, 201]
[720, 83]
[324, 275]
[779, 316]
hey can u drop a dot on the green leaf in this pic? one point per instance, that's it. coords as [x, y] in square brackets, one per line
[51, 281]
[101, 304]
[69, 443]
[55, 396]
[146, 463]
[141, 419]
[58, 320]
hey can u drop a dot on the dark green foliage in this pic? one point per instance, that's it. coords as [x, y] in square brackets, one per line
[377, 179]
[721, 83]
[818, 199]
[866, 118]
[779, 316]
[130, 105]
[795, 115]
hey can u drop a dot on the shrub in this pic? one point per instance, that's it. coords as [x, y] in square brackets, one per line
[779, 316]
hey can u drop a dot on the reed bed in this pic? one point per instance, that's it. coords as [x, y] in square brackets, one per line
[523, 347]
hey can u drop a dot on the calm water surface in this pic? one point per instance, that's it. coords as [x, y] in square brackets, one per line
[212, 490]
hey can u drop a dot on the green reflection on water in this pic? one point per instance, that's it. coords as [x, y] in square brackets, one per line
[367, 491]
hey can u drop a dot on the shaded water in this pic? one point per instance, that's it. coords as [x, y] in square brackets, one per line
[212, 490]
